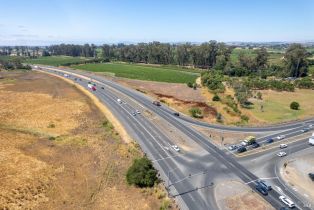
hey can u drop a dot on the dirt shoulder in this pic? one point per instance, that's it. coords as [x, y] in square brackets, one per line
[234, 195]
[58, 150]
[296, 174]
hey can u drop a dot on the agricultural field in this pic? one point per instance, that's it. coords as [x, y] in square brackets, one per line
[55, 60]
[59, 151]
[141, 72]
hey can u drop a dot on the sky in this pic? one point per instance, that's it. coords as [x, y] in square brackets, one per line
[38, 22]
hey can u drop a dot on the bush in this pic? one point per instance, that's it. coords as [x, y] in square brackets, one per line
[305, 83]
[294, 105]
[245, 118]
[142, 173]
[219, 118]
[196, 112]
[189, 84]
[216, 98]
[259, 95]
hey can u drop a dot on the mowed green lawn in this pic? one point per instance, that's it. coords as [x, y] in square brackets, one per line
[55, 60]
[140, 72]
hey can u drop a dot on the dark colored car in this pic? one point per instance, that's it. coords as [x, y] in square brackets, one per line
[176, 114]
[241, 149]
[263, 184]
[261, 189]
[311, 175]
[270, 141]
[255, 145]
[102, 87]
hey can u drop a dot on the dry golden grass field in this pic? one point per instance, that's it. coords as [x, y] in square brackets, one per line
[58, 151]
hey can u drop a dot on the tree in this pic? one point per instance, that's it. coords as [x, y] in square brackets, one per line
[216, 98]
[294, 105]
[196, 112]
[296, 60]
[261, 58]
[142, 173]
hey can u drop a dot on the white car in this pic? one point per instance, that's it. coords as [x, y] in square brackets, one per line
[287, 201]
[176, 148]
[138, 112]
[280, 137]
[133, 113]
[283, 146]
[311, 125]
[243, 143]
[281, 154]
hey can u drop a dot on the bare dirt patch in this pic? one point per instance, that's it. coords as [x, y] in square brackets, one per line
[234, 195]
[296, 174]
[56, 152]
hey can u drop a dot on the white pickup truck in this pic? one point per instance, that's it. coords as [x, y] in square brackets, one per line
[311, 140]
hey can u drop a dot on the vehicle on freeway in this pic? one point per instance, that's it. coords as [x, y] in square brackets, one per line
[133, 113]
[137, 111]
[255, 145]
[280, 137]
[261, 189]
[311, 175]
[93, 88]
[89, 85]
[287, 201]
[270, 140]
[80, 79]
[232, 147]
[94, 84]
[119, 100]
[102, 87]
[311, 141]
[281, 154]
[241, 149]
[156, 103]
[176, 114]
[176, 148]
[304, 130]
[311, 126]
[264, 184]
[282, 146]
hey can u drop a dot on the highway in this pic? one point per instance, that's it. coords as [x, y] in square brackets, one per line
[189, 173]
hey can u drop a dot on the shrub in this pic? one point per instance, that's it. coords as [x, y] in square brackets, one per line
[294, 105]
[216, 98]
[142, 173]
[189, 84]
[305, 83]
[259, 95]
[196, 112]
[245, 118]
[219, 118]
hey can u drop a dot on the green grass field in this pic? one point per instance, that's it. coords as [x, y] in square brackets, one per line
[277, 106]
[141, 72]
[54, 60]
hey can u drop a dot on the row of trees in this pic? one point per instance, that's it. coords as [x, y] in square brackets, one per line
[85, 50]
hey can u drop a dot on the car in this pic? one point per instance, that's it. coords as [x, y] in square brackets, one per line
[243, 143]
[80, 79]
[304, 130]
[255, 145]
[287, 201]
[311, 175]
[261, 189]
[133, 113]
[241, 149]
[281, 154]
[270, 140]
[264, 184]
[232, 147]
[176, 148]
[282, 146]
[176, 114]
[137, 111]
[280, 137]
[311, 126]
[103, 88]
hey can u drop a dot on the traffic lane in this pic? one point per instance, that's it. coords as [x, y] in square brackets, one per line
[292, 147]
[190, 120]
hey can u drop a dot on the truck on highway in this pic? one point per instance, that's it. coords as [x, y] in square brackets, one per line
[156, 103]
[311, 140]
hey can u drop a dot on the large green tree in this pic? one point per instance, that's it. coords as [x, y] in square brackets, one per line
[296, 60]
